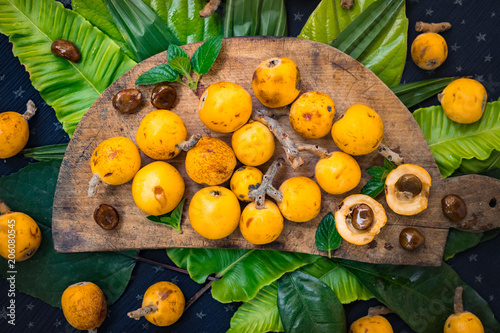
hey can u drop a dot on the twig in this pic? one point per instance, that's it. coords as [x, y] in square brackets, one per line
[432, 27]
[291, 150]
[30, 110]
[145, 310]
[94, 183]
[315, 149]
[346, 4]
[209, 8]
[379, 310]
[259, 194]
[189, 144]
[391, 155]
[198, 295]
[4, 209]
[458, 305]
[173, 268]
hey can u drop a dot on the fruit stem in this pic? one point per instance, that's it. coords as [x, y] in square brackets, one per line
[93, 330]
[145, 310]
[379, 310]
[291, 150]
[94, 184]
[4, 209]
[391, 155]
[189, 144]
[209, 8]
[198, 295]
[458, 305]
[30, 110]
[259, 194]
[432, 27]
[315, 149]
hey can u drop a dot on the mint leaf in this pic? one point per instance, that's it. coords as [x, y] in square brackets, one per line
[327, 236]
[174, 51]
[157, 74]
[374, 187]
[388, 165]
[172, 219]
[181, 65]
[204, 57]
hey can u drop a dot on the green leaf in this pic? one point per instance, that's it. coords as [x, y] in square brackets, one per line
[373, 187]
[143, 31]
[47, 274]
[421, 296]
[459, 240]
[327, 237]
[204, 57]
[172, 219]
[68, 87]
[307, 304]
[157, 74]
[243, 272]
[261, 313]
[452, 142]
[183, 19]
[377, 38]
[96, 12]
[388, 165]
[475, 165]
[46, 153]
[181, 65]
[376, 171]
[174, 51]
[257, 17]
[416, 92]
[258, 315]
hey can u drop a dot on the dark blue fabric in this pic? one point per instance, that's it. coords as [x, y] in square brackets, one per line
[473, 50]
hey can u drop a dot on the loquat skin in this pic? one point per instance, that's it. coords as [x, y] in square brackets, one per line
[116, 160]
[464, 322]
[359, 131]
[301, 199]
[311, 115]
[276, 82]
[224, 107]
[14, 134]
[464, 100]
[27, 236]
[261, 226]
[211, 161]
[338, 173]
[157, 188]
[243, 179]
[169, 300]
[429, 50]
[253, 144]
[84, 305]
[371, 324]
[214, 212]
[159, 132]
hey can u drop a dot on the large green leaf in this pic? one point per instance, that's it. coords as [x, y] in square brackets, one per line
[261, 313]
[421, 296]
[459, 240]
[256, 17]
[416, 92]
[475, 165]
[307, 304]
[385, 55]
[243, 272]
[451, 142]
[48, 273]
[32, 26]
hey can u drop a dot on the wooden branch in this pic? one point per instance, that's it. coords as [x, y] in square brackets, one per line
[259, 194]
[432, 27]
[145, 310]
[30, 110]
[209, 8]
[395, 158]
[315, 149]
[189, 144]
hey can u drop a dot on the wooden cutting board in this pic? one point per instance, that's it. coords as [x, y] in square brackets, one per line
[323, 68]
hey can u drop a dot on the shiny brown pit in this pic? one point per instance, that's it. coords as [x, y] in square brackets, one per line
[411, 239]
[127, 100]
[163, 97]
[106, 217]
[454, 207]
[409, 185]
[65, 49]
[362, 217]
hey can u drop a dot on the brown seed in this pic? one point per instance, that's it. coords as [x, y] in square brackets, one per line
[362, 217]
[454, 207]
[106, 217]
[411, 239]
[65, 49]
[163, 97]
[409, 185]
[127, 100]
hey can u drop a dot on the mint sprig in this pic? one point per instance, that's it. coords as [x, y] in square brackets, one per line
[172, 219]
[376, 185]
[327, 237]
[179, 65]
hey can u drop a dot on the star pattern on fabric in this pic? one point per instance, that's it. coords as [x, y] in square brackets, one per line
[488, 58]
[3, 314]
[31, 324]
[297, 16]
[428, 12]
[479, 78]
[229, 308]
[174, 280]
[201, 314]
[158, 269]
[481, 37]
[458, 2]
[2, 77]
[19, 92]
[138, 297]
[455, 47]
[479, 278]
[30, 306]
[57, 323]
[473, 257]
[493, 14]
[459, 69]
[145, 326]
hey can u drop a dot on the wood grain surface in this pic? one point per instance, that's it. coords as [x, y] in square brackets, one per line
[324, 69]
